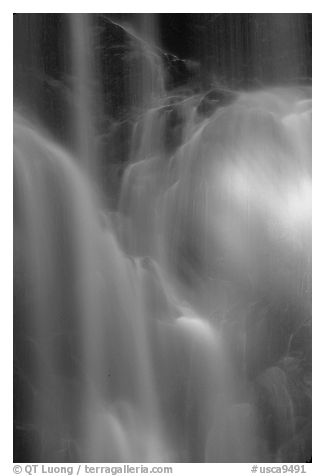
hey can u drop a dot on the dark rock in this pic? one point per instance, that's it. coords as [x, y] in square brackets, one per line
[213, 100]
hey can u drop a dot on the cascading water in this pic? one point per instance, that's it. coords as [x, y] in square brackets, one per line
[175, 326]
[84, 98]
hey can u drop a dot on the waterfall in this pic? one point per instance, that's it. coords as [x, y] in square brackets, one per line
[176, 325]
[84, 81]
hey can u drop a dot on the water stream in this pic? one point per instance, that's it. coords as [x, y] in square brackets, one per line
[174, 326]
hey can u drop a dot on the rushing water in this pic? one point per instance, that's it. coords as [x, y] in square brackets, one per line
[176, 326]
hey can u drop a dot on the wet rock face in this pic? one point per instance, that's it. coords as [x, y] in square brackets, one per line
[235, 48]
[214, 100]
[174, 122]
